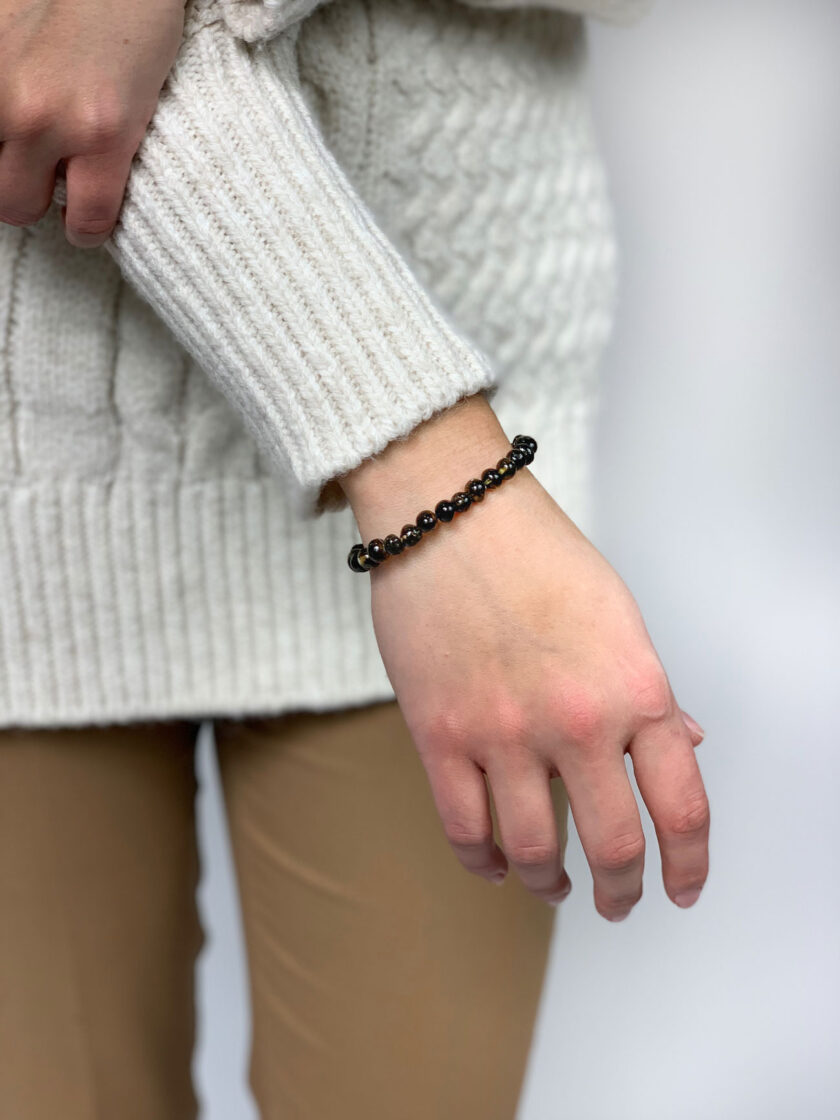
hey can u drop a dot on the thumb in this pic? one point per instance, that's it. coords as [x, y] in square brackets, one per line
[695, 730]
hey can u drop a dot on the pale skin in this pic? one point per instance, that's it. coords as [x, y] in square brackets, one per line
[79, 82]
[516, 652]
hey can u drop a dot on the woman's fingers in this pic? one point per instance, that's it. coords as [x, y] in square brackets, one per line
[84, 78]
[463, 804]
[589, 756]
[27, 178]
[607, 820]
[528, 830]
[95, 188]
[525, 813]
[670, 783]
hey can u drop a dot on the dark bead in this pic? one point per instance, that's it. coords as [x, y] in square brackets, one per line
[525, 441]
[445, 511]
[491, 478]
[353, 558]
[505, 468]
[528, 453]
[410, 536]
[518, 457]
[366, 562]
[476, 489]
[461, 501]
[426, 521]
[393, 545]
[376, 550]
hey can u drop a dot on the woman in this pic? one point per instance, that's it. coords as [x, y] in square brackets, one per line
[359, 244]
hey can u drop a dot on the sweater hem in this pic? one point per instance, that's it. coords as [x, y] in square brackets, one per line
[143, 599]
[139, 598]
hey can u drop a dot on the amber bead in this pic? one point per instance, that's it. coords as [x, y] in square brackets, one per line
[364, 559]
[353, 559]
[376, 550]
[525, 441]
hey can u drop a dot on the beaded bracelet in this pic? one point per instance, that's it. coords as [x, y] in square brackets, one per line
[364, 559]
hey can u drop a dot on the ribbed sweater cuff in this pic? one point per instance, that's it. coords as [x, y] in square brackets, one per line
[245, 236]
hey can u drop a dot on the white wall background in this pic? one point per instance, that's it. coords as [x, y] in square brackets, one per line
[719, 504]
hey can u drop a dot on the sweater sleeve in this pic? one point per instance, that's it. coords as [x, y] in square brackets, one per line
[243, 233]
[259, 19]
[612, 11]
[252, 20]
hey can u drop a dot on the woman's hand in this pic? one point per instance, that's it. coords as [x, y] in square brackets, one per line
[518, 653]
[79, 82]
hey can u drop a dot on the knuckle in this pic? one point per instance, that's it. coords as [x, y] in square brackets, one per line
[455, 730]
[620, 853]
[462, 834]
[445, 731]
[532, 855]
[12, 217]
[690, 818]
[100, 121]
[651, 698]
[29, 114]
[582, 717]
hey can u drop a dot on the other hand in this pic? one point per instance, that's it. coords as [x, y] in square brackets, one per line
[79, 82]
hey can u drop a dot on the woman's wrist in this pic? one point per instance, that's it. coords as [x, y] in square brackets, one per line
[437, 458]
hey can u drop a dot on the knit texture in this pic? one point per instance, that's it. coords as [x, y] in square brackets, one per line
[327, 235]
[245, 236]
[252, 20]
[613, 11]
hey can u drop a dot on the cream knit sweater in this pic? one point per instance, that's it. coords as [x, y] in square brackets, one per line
[343, 218]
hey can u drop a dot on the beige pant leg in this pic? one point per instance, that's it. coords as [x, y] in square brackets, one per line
[387, 982]
[98, 923]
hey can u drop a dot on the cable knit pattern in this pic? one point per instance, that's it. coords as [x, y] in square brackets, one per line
[154, 562]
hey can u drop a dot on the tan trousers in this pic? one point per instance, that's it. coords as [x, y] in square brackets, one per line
[387, 983]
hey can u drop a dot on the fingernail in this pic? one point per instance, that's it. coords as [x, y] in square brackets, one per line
[561, 896]
[693, 725]
[687, 898]
[498, 878]
[85, 240]
[620, 917]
